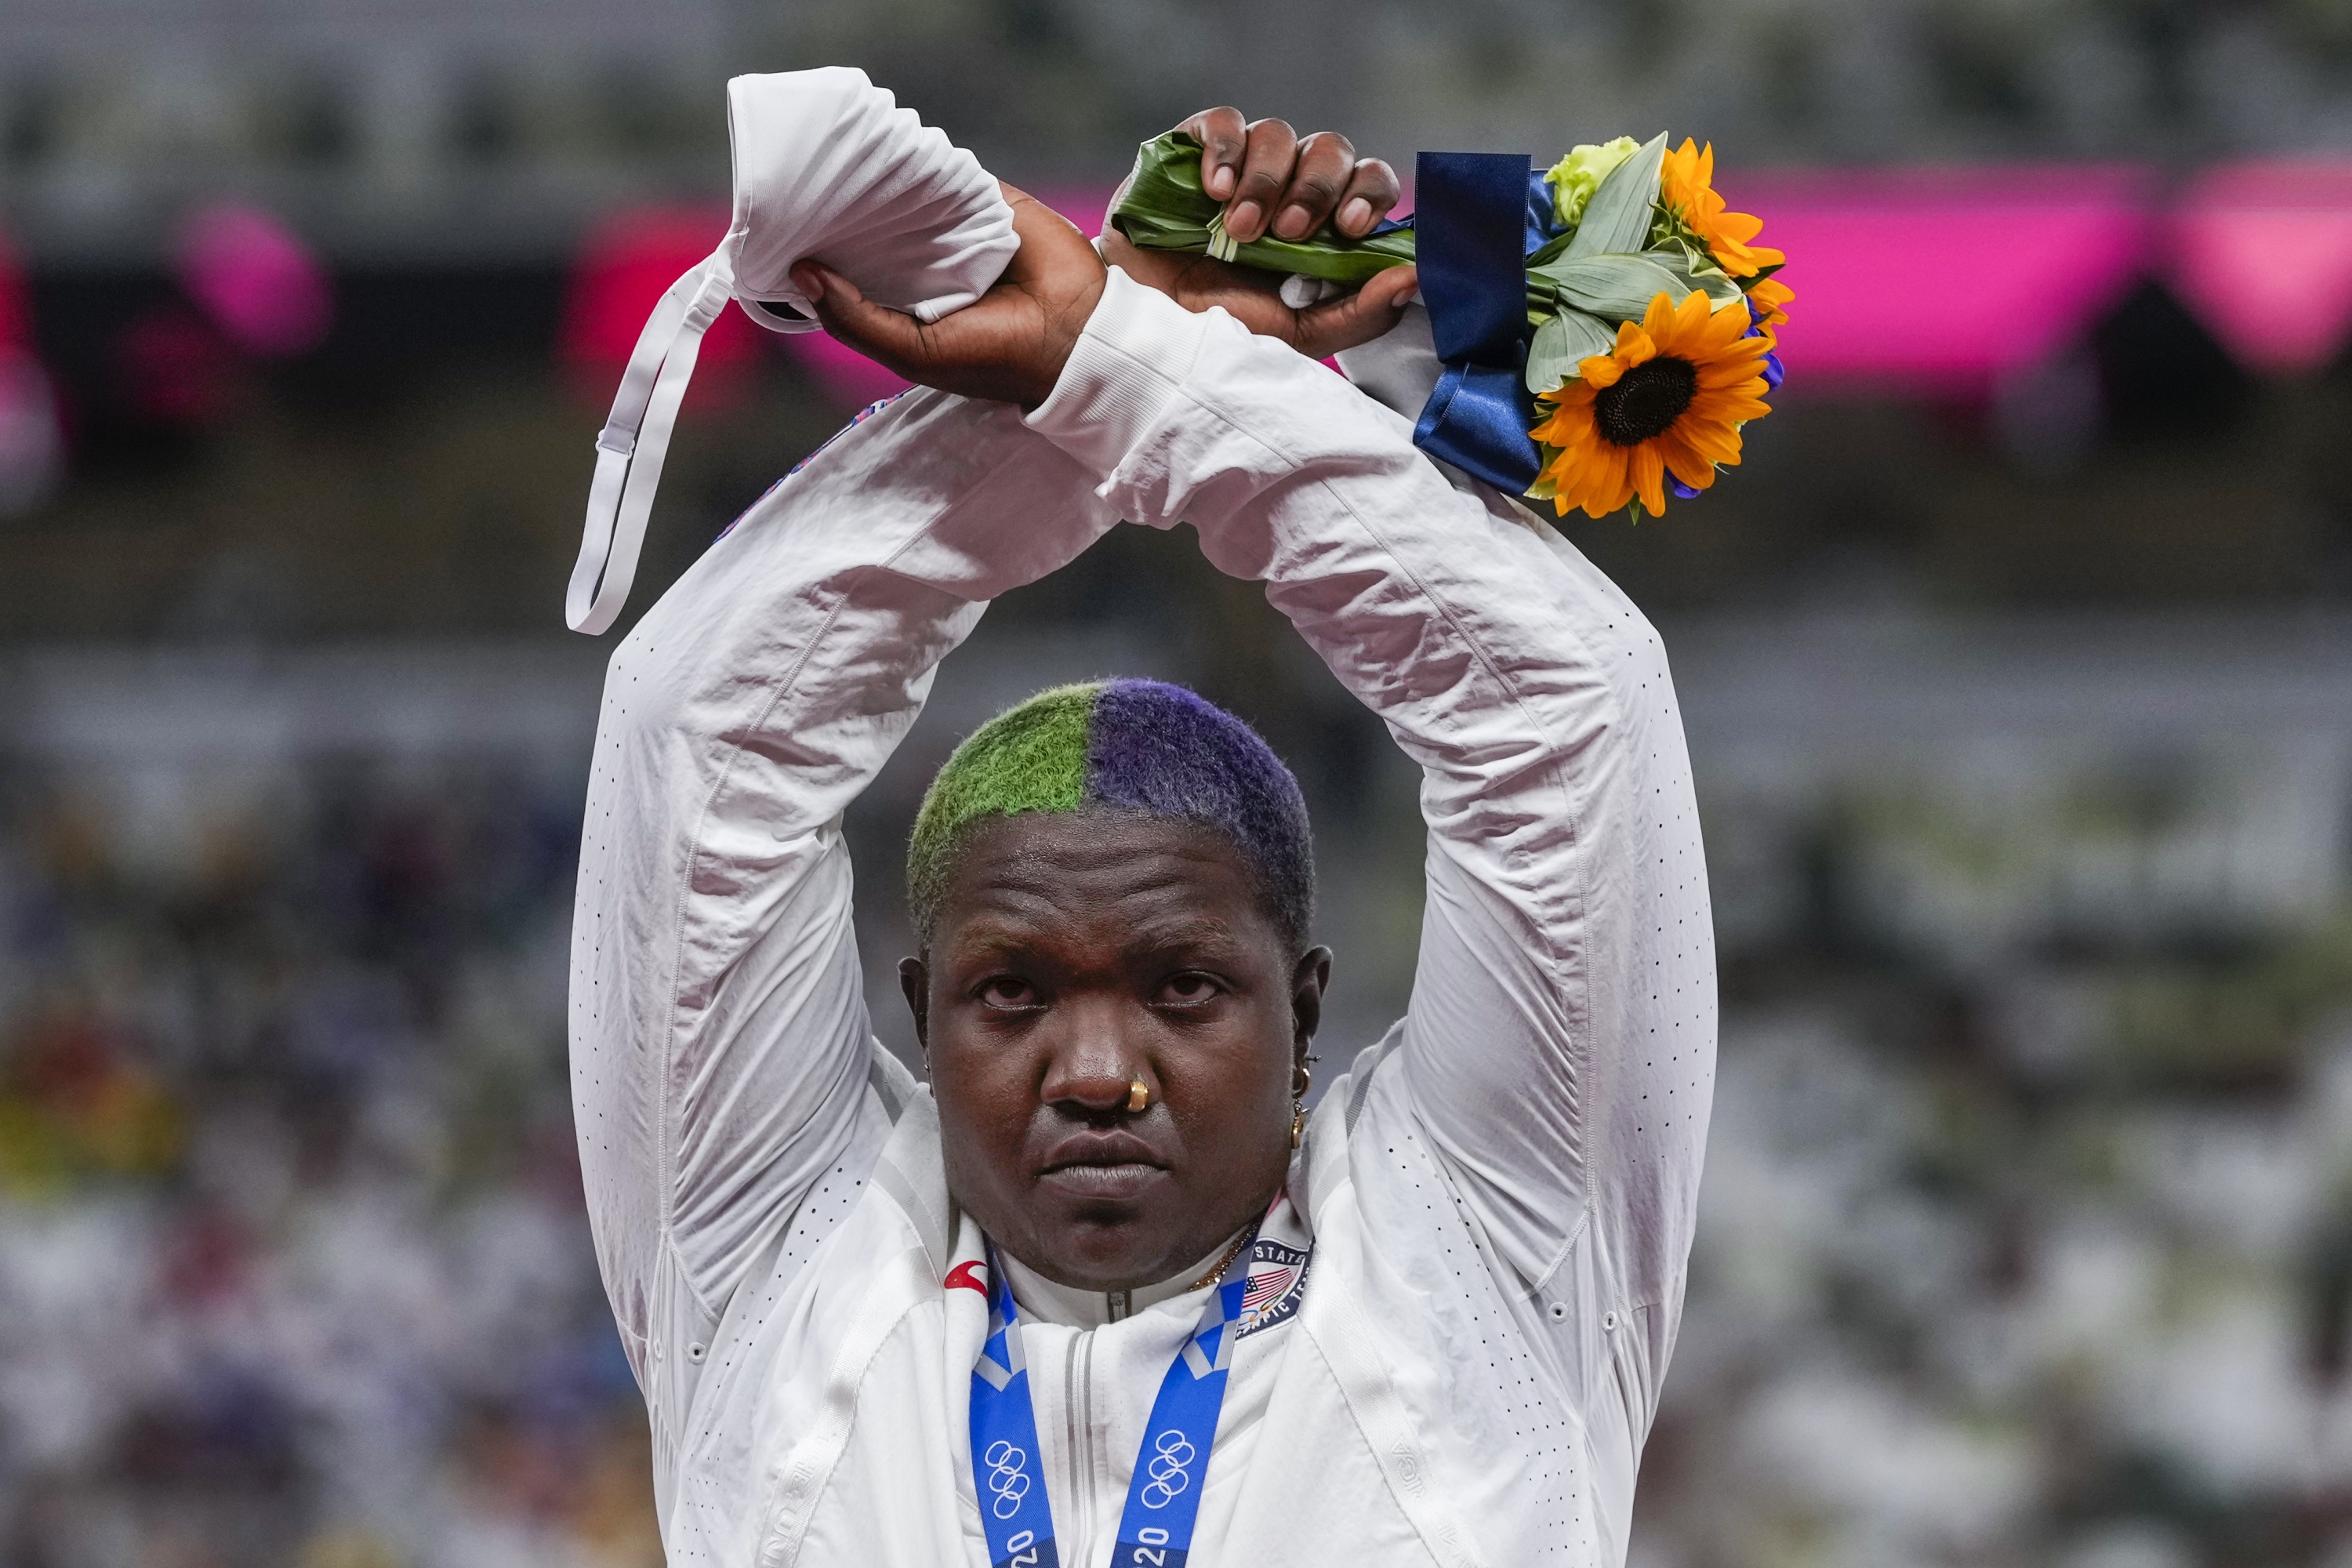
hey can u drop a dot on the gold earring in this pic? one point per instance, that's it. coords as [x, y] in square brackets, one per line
[1297, 1123]
[1139, 1095]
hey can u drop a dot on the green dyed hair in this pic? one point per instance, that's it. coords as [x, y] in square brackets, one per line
[1132, 745]
[1031, 757]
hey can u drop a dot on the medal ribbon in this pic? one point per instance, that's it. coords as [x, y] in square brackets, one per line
[1478, 217]
[1163, 1497]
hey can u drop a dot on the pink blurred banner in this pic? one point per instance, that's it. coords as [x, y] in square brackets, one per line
[2263, 253]
[256, 279]
[625, 265]
[32, 434]
[1947, 280]
[15, 300]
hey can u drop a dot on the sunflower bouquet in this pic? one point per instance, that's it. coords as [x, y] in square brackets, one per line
[1651, 325]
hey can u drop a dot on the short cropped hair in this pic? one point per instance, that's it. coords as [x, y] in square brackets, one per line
[1141, 746]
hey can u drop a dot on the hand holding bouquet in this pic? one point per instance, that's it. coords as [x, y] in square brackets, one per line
[1611, 359]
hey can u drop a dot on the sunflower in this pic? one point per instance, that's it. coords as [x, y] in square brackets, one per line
[1670, 396]
[1686, 189]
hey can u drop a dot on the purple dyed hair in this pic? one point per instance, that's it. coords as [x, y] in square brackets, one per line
[1123, 745]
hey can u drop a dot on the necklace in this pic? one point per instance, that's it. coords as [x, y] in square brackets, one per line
[1216, 1270]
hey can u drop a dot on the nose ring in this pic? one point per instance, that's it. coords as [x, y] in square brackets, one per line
[1139, 1095]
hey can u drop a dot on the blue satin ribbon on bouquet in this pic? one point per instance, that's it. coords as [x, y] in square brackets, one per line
[1477, 216]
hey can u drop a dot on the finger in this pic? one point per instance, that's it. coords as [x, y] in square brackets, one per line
[1324, 162]
[1117, 250]
[1265, 170]
[1224, 136]
[1325, 330]
[879, 334]
[1373, 190]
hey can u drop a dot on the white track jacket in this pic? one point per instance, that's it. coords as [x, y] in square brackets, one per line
[1499, 1195]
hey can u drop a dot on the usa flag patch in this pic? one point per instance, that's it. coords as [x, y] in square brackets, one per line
[1278, 1280]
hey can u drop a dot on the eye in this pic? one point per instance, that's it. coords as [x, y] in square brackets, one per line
[1007, 990]
[1189, 989]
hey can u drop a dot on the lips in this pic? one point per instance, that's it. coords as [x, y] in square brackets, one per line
[1114, 1183]
[1102, 1164]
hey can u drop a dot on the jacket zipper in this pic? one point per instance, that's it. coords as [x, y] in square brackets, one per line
[1078, 1410]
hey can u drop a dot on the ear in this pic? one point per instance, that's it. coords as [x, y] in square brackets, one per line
[1308, 980]
[915, 980]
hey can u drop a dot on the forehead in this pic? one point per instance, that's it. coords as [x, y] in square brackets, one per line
[1101, 878]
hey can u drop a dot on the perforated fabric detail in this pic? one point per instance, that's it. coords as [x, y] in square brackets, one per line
[1546, 1509]
[826, 1207]
[1662, 1122]
[745, 1359]
[595, 1066]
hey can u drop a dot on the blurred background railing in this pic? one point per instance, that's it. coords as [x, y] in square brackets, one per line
[2017, 662]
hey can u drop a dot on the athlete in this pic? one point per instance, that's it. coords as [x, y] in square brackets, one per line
[1105, 1290]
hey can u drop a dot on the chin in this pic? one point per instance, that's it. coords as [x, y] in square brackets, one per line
[1102, 1253]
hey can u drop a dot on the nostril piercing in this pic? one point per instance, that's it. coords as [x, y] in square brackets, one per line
[1139, 1095]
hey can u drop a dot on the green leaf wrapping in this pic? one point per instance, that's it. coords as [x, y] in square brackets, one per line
[1617, 218]
[1617, 287]
[1164, 207]
[1563, 343]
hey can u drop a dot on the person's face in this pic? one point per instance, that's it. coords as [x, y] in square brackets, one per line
[1077, 952]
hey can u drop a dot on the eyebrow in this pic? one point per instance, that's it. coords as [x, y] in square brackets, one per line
[1187, 931]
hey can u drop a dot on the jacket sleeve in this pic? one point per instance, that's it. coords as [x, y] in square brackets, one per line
[720, 1048]
[1558, 1050]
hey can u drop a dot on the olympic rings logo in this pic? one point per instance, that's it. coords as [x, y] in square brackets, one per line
[1166, 1468]
[1007, 1477]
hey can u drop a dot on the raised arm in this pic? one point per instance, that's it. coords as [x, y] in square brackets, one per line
[1559, 1048]
[720, 1044]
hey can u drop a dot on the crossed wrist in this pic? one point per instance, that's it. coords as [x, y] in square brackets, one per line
[1119, 375]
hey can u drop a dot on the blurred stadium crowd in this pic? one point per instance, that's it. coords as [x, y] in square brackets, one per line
[293, 1265]
[2020, 688]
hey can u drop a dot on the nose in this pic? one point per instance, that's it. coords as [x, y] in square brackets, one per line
[1092, 1064]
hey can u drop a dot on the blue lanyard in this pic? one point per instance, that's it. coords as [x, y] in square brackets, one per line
[1163, 1497]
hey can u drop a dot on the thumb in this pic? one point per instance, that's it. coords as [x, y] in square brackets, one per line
[1355, 319]
[874, 330]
